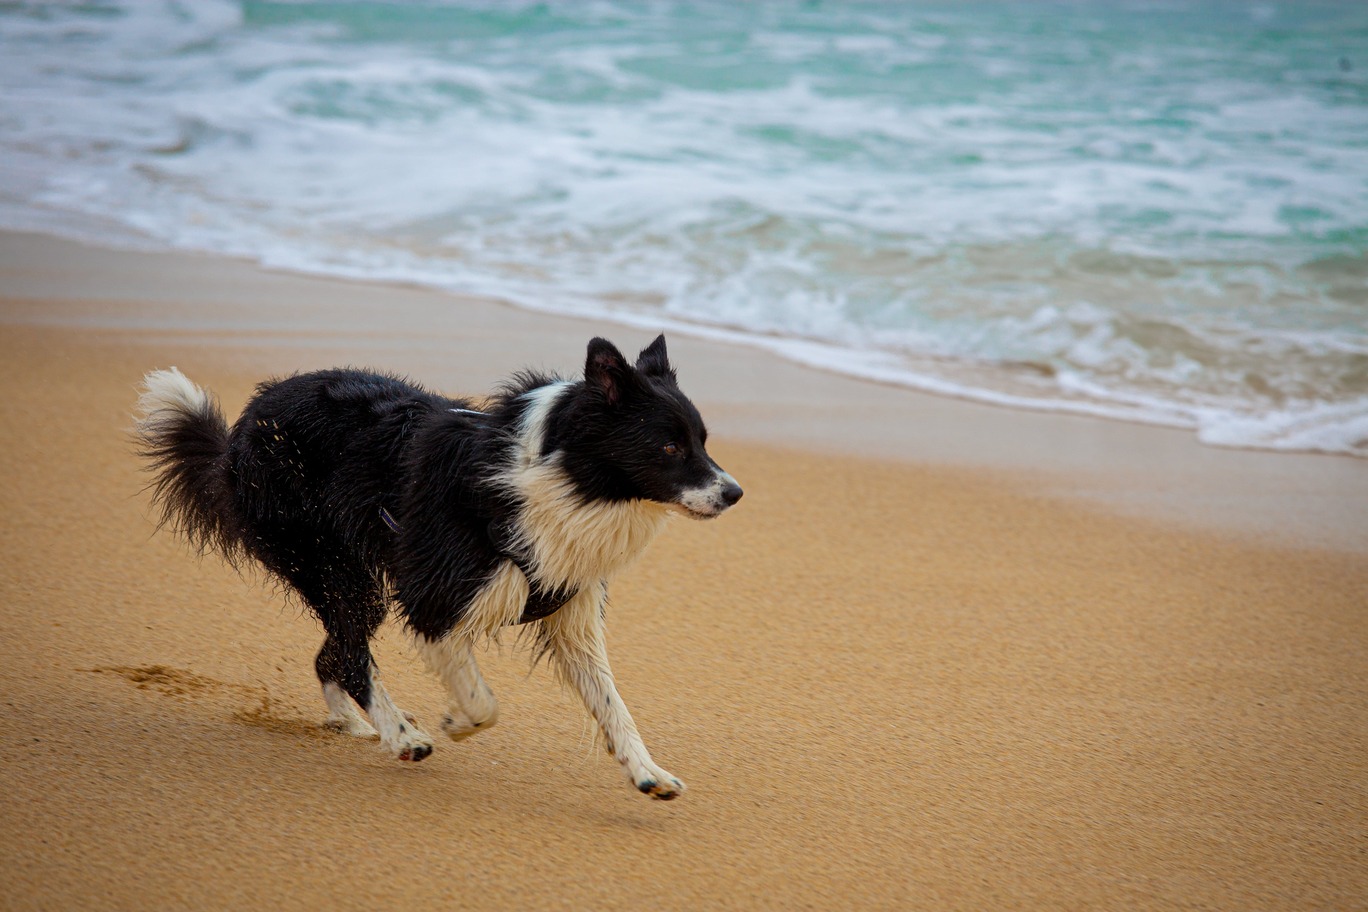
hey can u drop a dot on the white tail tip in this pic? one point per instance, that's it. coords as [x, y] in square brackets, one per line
[171, 391]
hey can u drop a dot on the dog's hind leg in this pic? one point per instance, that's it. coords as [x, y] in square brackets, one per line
[348, 600]
[347, 670]
[342, 715]
[473, 707]
[574, 638]
[398, 731]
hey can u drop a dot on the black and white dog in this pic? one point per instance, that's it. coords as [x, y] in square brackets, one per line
[358, 489]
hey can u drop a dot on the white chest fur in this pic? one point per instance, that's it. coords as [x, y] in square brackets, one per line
[570, 543]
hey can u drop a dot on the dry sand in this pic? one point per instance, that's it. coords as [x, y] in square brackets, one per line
[1033, 663]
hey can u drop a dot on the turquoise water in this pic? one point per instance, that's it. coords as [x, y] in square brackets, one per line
[1155, 211]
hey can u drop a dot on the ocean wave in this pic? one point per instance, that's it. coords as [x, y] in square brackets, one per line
[1148, 214]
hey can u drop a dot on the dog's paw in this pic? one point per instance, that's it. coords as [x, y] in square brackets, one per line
[352, 725]
[411, 744]
[458, 726]
[658, 784]
[415, 753]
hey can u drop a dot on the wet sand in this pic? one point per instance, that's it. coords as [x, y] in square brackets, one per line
[941, 656]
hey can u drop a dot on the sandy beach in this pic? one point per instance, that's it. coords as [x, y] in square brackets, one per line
[942, 656]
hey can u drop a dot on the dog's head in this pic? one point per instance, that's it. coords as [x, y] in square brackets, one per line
[631, 433]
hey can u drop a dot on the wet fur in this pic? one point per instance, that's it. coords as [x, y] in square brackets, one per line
[362, 490]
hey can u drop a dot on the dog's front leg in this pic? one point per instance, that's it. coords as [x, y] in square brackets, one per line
[472, 707]
[574, 638]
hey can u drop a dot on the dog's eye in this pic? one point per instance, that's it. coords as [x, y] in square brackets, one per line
[672, 449]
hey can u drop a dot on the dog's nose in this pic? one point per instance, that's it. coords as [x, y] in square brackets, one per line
[731, 493]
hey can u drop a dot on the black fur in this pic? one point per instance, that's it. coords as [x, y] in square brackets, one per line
[187, 454]
[359, 488]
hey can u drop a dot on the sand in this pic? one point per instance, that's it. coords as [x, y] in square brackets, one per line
[940, 657]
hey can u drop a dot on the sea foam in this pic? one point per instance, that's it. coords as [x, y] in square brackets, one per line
[1153, 214]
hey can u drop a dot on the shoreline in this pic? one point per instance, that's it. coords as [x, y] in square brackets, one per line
[940, 657]
[1297, 499]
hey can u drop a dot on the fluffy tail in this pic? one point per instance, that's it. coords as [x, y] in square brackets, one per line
[184, 439]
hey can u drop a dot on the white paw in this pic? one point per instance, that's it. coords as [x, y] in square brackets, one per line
[351, 724]
[458, 725]
[408, 742]
[398, 732]
[650, 779]
[342, 715]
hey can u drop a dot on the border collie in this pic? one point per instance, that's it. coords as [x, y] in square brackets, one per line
[359, 490]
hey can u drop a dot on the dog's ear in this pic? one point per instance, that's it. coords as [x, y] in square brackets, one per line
[654, 361]
[607, 371]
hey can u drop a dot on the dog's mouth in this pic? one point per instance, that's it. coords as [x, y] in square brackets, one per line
[693, 513]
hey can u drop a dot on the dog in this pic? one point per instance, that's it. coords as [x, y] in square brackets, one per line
[360, 490]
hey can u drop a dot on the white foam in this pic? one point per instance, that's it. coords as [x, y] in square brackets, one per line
[1340, 427]
[1140, 245]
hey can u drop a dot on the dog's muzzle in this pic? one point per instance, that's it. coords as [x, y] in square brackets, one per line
[710, 500]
